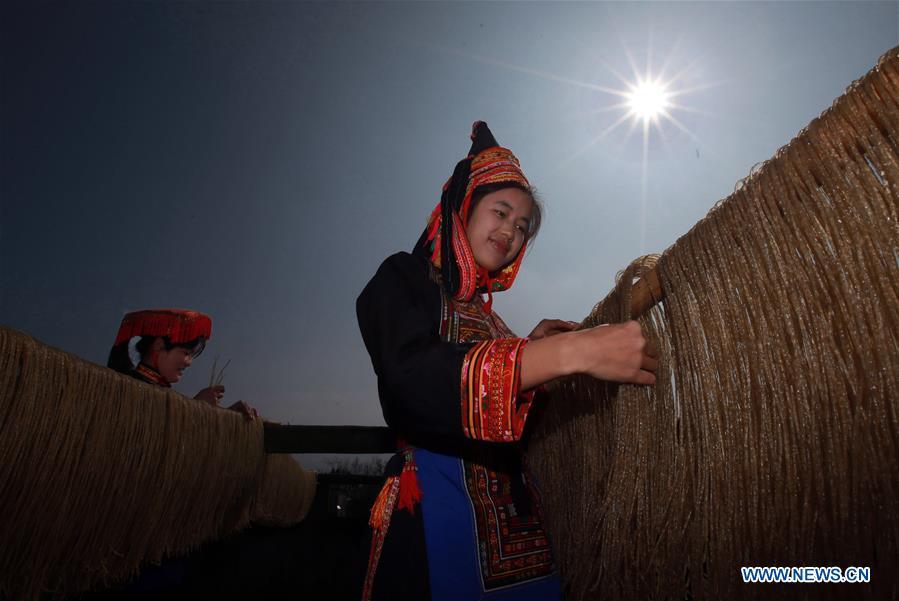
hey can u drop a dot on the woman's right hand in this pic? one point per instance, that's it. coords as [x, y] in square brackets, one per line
[211, 395]
[615, 353]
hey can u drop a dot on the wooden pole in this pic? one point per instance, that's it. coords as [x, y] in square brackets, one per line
[329, 439]
[646, 293]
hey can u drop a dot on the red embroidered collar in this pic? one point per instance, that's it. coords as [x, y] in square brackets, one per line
[150, 375]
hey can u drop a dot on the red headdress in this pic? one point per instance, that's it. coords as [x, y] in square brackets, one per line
[487, 163]
[179, 326]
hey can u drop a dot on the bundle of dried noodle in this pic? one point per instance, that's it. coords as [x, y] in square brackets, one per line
[100, 473]
[772, 436]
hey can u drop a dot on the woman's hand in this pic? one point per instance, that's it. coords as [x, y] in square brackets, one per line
[616, 353]
[551, 327]
[245, 409]
[211, 395]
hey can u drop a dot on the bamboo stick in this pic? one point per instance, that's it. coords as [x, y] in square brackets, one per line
[646, 294]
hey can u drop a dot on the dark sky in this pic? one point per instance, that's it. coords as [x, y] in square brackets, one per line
[257, 160]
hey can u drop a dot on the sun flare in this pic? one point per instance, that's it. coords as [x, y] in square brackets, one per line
[647, 100]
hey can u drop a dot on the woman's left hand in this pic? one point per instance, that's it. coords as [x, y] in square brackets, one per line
[551, 327]
[246, 409]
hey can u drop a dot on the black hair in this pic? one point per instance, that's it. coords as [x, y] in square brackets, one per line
[536, 213]
[120, 360]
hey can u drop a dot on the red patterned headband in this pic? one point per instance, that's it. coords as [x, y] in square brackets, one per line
[178, 325]
[495, 165]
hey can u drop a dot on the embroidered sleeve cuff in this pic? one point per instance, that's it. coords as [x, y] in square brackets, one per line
[492, 408]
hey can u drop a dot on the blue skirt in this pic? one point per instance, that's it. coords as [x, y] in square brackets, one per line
[483, 541]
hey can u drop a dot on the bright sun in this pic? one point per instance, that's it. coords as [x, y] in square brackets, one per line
[647, 100]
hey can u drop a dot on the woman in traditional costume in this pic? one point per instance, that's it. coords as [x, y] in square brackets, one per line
[170, 339]
[459, 516]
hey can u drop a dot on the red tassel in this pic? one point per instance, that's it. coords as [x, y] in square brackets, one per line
[410, 493]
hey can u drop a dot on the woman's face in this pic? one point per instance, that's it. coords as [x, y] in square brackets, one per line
[498, 227]
[171, 363]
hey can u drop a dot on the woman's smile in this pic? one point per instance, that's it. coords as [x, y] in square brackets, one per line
[497, 227]
[501, 246]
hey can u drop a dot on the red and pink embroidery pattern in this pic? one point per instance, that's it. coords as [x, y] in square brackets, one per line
[492, 408]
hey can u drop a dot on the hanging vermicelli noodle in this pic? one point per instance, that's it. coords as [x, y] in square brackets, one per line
[772, 435]
[100, 473]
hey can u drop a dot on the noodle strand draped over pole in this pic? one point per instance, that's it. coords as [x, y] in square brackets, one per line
[772, 436]
[100, 473]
